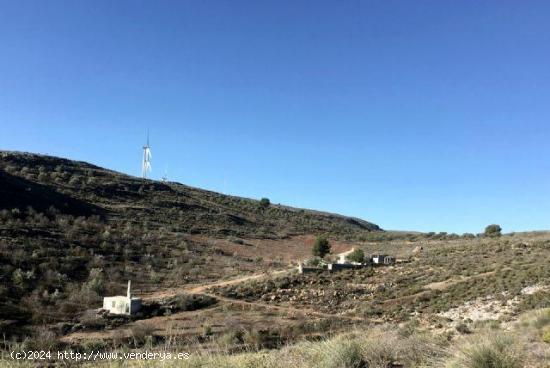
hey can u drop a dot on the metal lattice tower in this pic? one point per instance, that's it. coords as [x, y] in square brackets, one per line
[146, 161]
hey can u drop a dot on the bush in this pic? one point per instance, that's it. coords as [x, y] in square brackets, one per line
[313, 262]
[463, 329]
[254, 338]
[357, 256]
[493, 230]
[140, 333]
[236, 240]
[189, 302]
[339, 352]
[93, 345]
[489, 351]
[96, 281]
[321, 247]
[344, 353]
[264, 202]
[206, 330]
[229, 339]
[44, 339]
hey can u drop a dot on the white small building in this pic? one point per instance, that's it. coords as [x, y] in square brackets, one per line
[383, 259]
[122, 304]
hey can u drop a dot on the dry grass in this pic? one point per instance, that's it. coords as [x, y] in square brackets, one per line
[488, 351]
[385, 346]
[520, 345]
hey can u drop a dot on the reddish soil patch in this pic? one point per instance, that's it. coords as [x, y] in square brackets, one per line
[293, 249]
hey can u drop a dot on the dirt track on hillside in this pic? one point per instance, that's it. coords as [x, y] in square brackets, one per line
[200, 288]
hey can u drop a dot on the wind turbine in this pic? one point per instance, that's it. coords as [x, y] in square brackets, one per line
[146, 162]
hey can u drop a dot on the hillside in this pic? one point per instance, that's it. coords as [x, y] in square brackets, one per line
[71, 232]
[197, 211]
[217, 277]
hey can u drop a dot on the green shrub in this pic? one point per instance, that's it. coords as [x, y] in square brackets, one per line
[489, 351]
[96, 281]
[189, 302]
[463, 329]
[229, 339]
[253, 338]
[93, 345]
[264, 202]
[321, 247]
[236, 240]
[313, 262]
[141, 332]
[357, 256]
[493, 230]
[344, 353]
[43, 339]
[541, 319]
[206, 330]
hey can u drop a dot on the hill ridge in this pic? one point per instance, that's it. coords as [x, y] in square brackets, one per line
[45, 164]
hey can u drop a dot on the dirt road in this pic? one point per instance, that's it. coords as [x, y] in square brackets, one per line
[200, 288]
[203, 290]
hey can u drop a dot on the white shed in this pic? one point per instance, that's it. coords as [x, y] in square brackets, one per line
[383, 259]
[122, 304]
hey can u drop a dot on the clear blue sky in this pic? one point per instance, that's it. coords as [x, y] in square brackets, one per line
[416, 115]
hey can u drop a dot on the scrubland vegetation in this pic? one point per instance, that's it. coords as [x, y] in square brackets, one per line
[71, 233]
[442, 276]
[515, 345]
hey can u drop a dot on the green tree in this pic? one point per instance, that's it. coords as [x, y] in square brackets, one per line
[264, 202]
[357, 256]
[493, 230]
[96, 281]
[321, 247]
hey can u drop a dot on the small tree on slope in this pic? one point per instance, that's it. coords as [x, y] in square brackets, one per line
[321, 247]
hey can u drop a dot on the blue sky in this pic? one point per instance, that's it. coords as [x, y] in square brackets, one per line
[416, 115]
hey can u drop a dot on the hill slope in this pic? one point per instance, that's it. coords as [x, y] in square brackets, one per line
[199, 211]
[71, 232]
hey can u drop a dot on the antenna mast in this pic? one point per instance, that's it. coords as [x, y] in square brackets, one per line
[146, 162]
